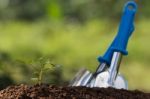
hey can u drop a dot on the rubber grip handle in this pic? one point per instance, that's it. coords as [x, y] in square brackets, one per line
[126, 28]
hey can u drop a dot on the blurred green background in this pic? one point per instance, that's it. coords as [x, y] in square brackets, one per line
[72, 34]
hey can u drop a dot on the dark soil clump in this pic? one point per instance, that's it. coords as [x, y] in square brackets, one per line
[45, 91]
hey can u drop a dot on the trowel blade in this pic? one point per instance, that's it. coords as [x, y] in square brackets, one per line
[102, 81]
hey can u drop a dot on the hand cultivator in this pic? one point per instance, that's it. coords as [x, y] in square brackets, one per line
[107, 73]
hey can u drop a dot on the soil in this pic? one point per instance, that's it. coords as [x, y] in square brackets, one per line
[45, 91]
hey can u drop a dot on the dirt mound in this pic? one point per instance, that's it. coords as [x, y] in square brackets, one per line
[45, 91]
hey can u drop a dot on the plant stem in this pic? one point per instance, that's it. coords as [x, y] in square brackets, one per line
[40, 76]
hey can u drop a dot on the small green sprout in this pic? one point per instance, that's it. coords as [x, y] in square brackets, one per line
[40, 68]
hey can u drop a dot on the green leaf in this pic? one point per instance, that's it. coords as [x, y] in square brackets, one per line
[34, 79]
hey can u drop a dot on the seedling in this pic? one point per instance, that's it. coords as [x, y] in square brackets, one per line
[40, 68]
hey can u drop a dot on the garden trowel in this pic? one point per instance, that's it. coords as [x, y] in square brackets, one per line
[107, 74]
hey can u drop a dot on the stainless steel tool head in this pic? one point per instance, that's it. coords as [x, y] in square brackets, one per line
[83, 77]
[104, 76]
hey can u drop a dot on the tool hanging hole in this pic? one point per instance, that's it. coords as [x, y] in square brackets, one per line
[131, 6]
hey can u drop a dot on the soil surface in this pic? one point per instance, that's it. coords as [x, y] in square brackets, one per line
[45, 91]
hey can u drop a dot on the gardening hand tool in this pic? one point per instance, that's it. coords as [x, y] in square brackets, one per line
[112, 57]
[109, 78]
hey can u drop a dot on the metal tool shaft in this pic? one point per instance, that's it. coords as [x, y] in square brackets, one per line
[114, 67]
[101, 68]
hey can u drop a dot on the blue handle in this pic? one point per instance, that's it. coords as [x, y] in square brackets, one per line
[126, 28]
